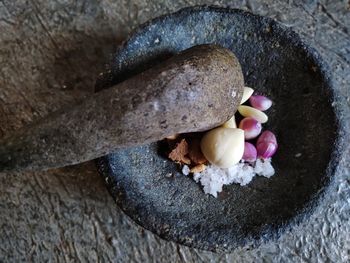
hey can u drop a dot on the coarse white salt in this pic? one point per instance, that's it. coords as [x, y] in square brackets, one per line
[264, 168]
[214, 178]
[197, 177]
[185, 170]
[243, 174]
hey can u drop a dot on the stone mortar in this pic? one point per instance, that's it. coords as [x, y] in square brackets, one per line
[51, 53]
[278, 64]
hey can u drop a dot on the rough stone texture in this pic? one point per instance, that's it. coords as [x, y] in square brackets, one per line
[278, 64]
[144, 108]
[51, 53]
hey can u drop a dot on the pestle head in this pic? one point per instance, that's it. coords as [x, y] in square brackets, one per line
[195, 90]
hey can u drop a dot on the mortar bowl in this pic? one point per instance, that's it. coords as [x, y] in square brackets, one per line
[277, 63]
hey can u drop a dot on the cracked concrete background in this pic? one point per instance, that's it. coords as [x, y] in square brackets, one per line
[50, 55]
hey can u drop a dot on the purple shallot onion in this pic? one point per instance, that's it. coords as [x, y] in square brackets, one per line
[251, 127]
[250, 152]
[266, 145]
[260, 102]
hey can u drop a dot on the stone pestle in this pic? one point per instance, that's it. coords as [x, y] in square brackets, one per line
[195, 90]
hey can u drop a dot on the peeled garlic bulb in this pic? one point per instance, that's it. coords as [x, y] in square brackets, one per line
[247, 111]
[223, 147]
[247, 92]
[231, 123]
[172, 137]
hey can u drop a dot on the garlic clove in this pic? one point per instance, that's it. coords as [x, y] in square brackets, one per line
[223, 147]
[231, 123]
[247, 111]
[172, 137]
[247, 92]
[250, 152]
[251, 127]
[260, 102]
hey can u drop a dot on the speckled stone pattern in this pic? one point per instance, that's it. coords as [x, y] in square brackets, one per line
[144, 108]
[276, 62]
[51, 54]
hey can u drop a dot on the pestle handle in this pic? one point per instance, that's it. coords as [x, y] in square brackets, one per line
[195, 90]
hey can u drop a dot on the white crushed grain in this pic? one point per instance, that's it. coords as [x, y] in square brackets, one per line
[169, 175]
[214, 178]
[185, 170]
[264, 168]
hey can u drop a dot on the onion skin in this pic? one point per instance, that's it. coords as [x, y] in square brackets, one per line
[266, 145]
[260, 102]
[252, 128]
[250, 152]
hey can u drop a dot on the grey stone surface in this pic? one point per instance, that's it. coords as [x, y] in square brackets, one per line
[273, 61]
[51, 53]
[145, 108]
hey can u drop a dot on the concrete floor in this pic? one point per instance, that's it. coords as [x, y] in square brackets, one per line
[50, 55]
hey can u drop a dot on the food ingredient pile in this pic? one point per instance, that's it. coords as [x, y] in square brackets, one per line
[228, 154]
